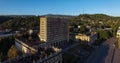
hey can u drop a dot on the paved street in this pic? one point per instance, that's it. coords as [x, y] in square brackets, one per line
[6, 35]
[116, 58]
[106, 53]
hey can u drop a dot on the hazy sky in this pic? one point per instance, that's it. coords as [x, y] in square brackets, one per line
[67, 7]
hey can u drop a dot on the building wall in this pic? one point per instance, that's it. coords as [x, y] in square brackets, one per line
[118, 34]
[43, 29]
[83, 38]
[24, 48]
[89, 39]
[118, 38]
[54, 29]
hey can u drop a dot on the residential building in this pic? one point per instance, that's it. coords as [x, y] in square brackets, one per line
[118, 33]
[54, 29]
[118, 37]
[32, 53]
[36, 52]
[86, 38]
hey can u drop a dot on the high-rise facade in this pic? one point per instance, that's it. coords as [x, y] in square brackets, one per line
[54, 28]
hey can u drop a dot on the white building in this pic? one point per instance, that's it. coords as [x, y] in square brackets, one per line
[118, 33]
[87, 39]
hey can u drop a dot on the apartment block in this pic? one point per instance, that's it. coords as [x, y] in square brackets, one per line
[54, 28]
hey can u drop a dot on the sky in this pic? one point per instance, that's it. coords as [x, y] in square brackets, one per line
[65, 7]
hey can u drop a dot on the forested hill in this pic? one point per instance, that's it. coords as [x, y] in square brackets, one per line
[94, 21]
[17, 22]
[20, 22]
[96, 17]
[4, 18]
[93, 18]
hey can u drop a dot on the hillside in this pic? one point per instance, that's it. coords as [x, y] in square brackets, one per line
[94, 20]
[20, 22]
[4, 18]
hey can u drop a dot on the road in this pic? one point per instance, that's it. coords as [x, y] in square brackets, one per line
[7, 35]
[116, 56]
[106, 53]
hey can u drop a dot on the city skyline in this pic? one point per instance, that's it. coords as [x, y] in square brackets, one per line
[68, 7]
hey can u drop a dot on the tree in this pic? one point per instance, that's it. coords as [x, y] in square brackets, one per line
[13, 52]
[104, 34]
[82, 29]
[19, 22]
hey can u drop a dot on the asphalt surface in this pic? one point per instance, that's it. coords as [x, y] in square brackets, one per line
[6, 35]
[106, 53]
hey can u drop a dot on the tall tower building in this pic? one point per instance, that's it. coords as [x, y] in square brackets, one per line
[54, 28]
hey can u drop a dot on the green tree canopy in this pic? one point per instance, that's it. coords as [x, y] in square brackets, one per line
[82, 29]
[104, 34]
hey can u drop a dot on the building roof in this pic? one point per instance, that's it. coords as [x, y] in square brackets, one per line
[33, 42]
[58, 16]
[29, 39]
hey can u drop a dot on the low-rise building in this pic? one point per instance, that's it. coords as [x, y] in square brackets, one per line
[36, 52]
[41, 54]
[118, 33]
[118, 37]
[24, 47]
[86, 38]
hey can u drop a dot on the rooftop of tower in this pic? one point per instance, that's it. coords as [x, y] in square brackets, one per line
[57, 15]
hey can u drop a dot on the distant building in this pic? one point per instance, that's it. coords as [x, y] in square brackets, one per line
[118, 37]
[118, 33]
[86, 39]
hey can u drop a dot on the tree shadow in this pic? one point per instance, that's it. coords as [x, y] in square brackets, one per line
[99, 55]
[104, 53]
